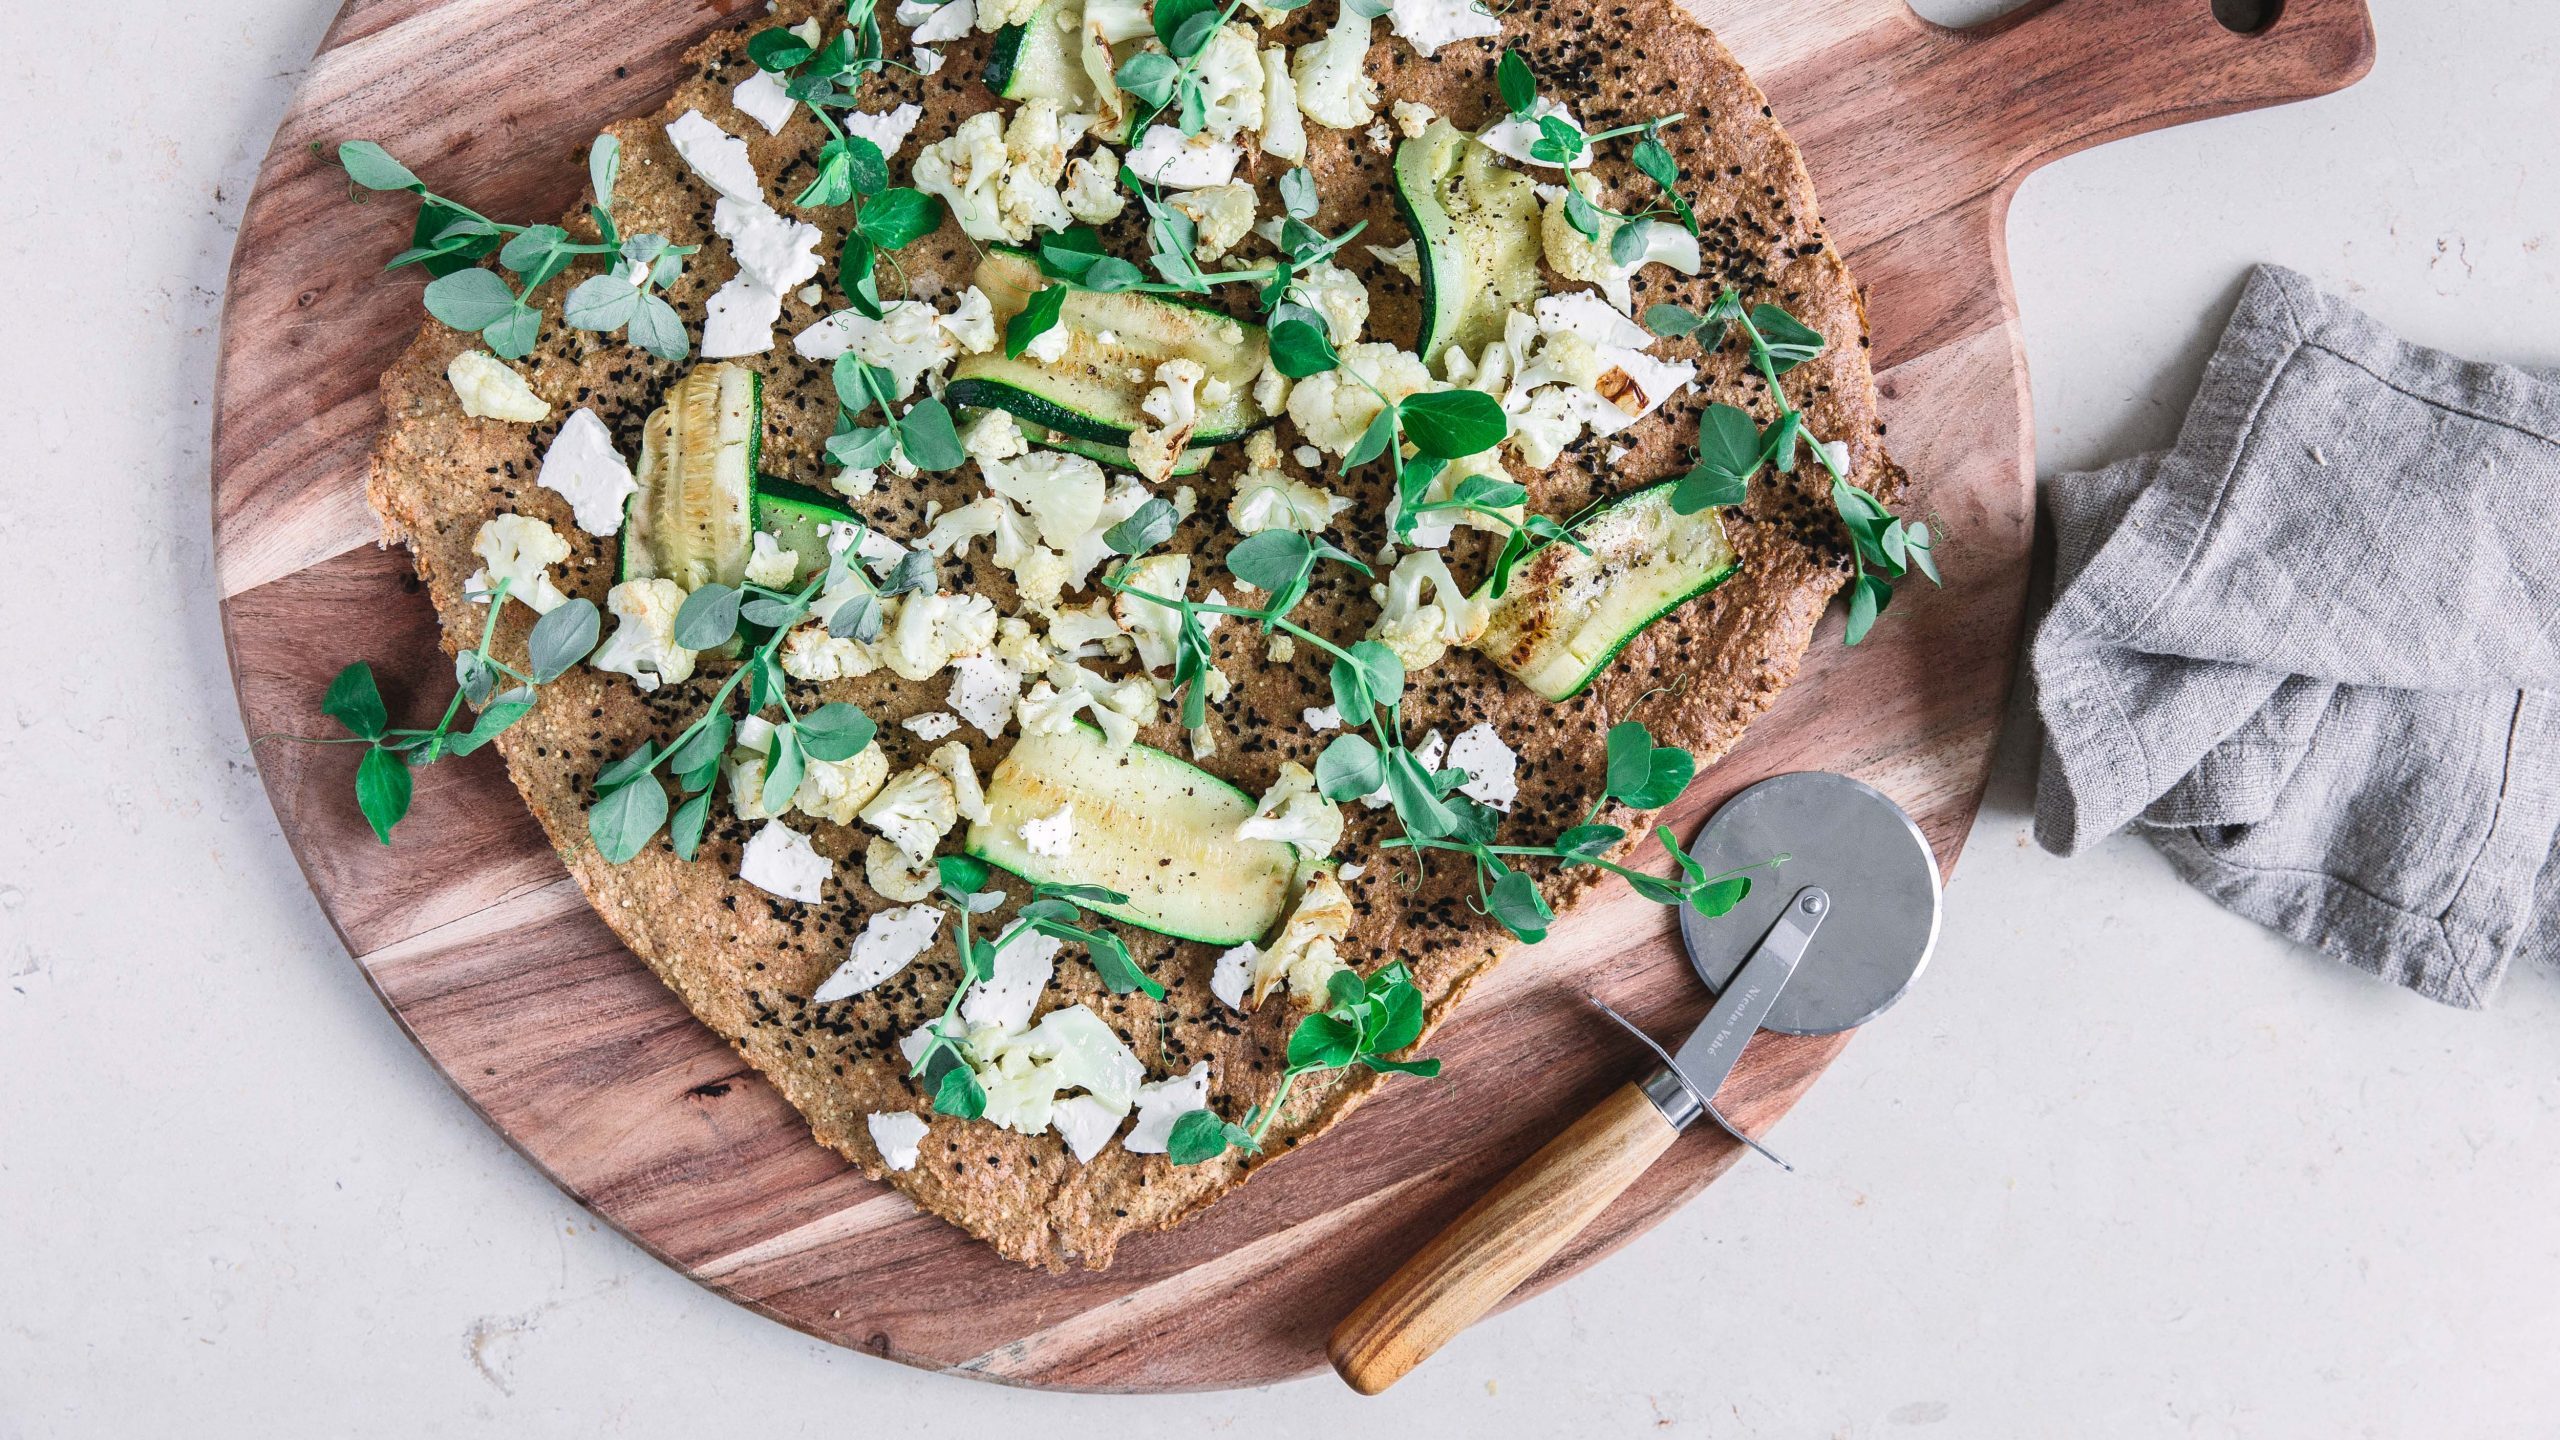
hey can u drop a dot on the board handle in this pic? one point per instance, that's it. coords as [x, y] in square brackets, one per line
[2045, 81]
[1500, 1241]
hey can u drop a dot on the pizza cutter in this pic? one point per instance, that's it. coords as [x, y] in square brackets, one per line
[1828, 944]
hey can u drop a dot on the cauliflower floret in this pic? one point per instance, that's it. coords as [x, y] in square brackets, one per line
[1119, 707]
[1269, 498]
[1062, 492]
[1049, 709]
[1294, 811]
[490, 388]
[1304, 956]
[972, 321]
[769, 565]
[1040, 574]
[1271, 389]
[1420, 630]
[967, 170]
[1123, 709]
[1553, 359]
[1167, 158]
[1035, 158]
[1284, 130]
[1554, 417]
[933, 630]
[521, 551]
[1156, 628]
[1174, 408]
[644, 645]
[810, 653]
[1412, 117]
[1577, 256]
[953, 761]
[914, 811]
[1222, 215]
[887, 870]
[1091, 549]
[1041, 579]
[1334, 88]
[908, 340]
[1020, 646]
[992, 437]
[994, 15]
[1093, 194]
[1087, 631]
[836, 790]
[1337, 295]
[1332, 410]
[1230, 82]
[953, 529]
[832, 790]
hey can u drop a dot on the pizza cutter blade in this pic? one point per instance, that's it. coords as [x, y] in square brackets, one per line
[1829, 942]
[1830, 947]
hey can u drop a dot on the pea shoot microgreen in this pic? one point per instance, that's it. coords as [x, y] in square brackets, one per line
[559, 640]
[1169, 79]
[1277, 562]
[1367, 1022]
[1441, 426]
[1641, 776]
[1732, 447]
[1074, 257]
[925, 434]
[631, 802]
[826, 78]
[450, 237]
[1561, 142]
[1054, 911]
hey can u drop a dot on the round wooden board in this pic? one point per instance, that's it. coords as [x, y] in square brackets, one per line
[488, 954]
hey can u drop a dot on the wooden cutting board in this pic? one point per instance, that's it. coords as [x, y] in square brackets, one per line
[480, 944]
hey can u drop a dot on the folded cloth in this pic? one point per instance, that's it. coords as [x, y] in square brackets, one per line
[2310, 651]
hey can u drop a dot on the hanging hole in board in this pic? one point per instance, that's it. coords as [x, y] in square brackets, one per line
[2248, 17]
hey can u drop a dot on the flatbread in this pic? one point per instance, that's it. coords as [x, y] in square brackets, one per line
[745, 962]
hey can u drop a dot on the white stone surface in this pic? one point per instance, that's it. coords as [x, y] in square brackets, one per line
[2124, 1165]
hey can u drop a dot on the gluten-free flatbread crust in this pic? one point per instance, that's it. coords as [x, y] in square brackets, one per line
[744, 961]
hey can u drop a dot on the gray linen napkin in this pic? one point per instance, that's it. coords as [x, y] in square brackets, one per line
[2311, 650]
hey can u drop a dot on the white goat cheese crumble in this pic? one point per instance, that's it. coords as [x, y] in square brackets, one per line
[889, 942]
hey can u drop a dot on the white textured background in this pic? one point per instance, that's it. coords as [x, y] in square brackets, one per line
[2124, 1165]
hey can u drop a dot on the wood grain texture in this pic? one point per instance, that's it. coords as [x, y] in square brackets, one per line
[470, 931]
[1500, 1240]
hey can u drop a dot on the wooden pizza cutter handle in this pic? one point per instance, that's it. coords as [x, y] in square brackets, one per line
[1500, 1241]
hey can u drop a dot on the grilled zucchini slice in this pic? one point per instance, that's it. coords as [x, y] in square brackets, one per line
[796, 517]
[1114, 344]
[1043, 58]
[692, 519]
[1146, 824]
[1568, 614]
[1475, 230]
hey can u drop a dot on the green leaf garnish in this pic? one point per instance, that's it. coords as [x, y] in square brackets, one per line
[1366, 1023]
[1519, 86]
[355, 702]
[1453, 424]
[382, 789]
[1038, 316]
